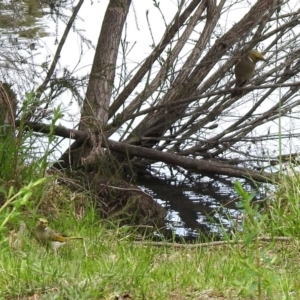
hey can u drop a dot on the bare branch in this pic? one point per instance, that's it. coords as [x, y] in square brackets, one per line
[168, 158]
[63, 39]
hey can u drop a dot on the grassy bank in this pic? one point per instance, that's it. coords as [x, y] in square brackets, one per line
[110, 264]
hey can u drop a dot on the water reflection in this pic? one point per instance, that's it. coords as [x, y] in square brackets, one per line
[203, 207]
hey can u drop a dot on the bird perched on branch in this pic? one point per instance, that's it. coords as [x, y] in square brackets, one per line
[47, 236]
[244, 69]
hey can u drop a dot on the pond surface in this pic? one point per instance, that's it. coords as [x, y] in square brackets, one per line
[203, 207]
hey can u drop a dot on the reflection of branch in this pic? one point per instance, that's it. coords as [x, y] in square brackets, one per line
[187, 163]
[42, 87]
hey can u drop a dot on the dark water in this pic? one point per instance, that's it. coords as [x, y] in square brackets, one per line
[201, 206]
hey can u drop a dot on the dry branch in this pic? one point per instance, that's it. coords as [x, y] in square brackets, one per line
[195, 165]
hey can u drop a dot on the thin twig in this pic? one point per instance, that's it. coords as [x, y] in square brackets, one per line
[42, 87]
[210, 244]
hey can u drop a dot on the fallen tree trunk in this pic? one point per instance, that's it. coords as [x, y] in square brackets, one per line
[195, 165]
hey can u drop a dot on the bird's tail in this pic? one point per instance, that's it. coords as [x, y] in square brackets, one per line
[75, 238]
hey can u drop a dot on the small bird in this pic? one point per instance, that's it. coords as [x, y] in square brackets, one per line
[244, 69]
[47, 236]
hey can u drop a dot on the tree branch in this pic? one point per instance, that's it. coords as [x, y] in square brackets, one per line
[63, 39]
[198, 166]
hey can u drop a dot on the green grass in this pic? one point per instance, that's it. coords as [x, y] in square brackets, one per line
[109, 264]
[115, 265]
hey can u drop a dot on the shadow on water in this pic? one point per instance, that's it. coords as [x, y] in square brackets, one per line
[201, 208]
